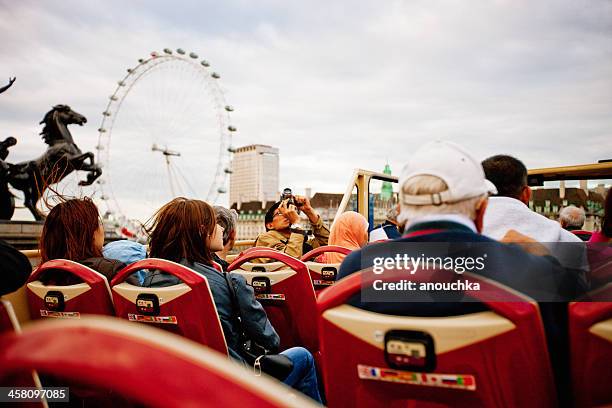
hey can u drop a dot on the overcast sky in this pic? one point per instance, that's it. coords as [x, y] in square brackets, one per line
[333, 85]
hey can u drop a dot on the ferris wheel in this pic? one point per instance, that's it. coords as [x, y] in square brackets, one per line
[166, 132]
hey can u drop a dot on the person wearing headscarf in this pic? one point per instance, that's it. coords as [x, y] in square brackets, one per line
[350, 231]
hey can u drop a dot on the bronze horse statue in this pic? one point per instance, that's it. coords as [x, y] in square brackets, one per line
[62, 157]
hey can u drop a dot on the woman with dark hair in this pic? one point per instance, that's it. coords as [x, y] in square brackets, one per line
[605, 234]
[186, 231]
[73, 230]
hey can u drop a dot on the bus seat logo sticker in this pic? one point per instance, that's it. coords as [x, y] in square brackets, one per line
[152, 319]
[456, 381]
[60, 315]
[270, 296]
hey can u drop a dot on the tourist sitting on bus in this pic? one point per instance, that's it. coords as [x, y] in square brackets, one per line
[350, 230]
[73, 230]
[285, 234]
[509, 208]
[15, 268]
[128, 252]
[605, 234]
[388, 229]
[443, 197]
[186, 231]
[572, 219]
[227, 219]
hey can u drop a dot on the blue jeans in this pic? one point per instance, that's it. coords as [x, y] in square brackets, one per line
[304, 375]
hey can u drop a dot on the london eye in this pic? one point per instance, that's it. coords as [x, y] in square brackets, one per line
[166, 131]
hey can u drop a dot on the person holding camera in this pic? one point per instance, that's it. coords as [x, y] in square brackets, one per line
[283, 231]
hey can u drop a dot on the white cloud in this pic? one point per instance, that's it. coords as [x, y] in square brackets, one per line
[341, 85]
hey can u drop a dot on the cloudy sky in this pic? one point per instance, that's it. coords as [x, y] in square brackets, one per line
[333, 85]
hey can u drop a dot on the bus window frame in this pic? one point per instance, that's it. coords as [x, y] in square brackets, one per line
[361, 179]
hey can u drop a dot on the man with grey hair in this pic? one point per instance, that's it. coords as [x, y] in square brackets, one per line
[572, 218]
[443, 198]
[226, 219]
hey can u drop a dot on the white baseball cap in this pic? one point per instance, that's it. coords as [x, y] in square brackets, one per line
[462, 174]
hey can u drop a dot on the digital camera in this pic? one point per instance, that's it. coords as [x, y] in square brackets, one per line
[288, 195]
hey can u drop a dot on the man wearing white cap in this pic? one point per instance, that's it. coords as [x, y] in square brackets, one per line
[443, 198]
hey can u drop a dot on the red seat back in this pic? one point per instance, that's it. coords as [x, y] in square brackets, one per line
[493, 358]
[187, 309]
[71, 301]
[590, 326]
[145, 366]
[287, 296]
[583, 235]
[10, 324]
[8, 320]
[323, 275]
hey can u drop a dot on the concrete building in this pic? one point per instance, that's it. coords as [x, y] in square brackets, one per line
[251, 218]
[254, 174]
[549, 201]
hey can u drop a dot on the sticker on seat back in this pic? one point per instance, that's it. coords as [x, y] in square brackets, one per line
[457, 381]
[270, 296]
[152, 319]
[60, 315]
[320, 282]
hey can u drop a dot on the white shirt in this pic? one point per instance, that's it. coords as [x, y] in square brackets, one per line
[504, 213]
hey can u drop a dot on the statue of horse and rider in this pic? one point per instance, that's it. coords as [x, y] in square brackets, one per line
[62, 157]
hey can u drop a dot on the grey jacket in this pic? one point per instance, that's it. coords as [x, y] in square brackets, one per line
[254, 320]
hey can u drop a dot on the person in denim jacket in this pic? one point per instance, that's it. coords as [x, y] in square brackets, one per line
[185, 231]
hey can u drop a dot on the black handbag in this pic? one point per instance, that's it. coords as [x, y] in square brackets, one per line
[275, 365]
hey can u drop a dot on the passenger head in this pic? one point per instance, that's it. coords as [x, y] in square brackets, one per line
[227, 219]
[349, 230]
[442, 178]
[509, 175]
[275, 220]
[185, 229]
[572, 218]
[72, 230]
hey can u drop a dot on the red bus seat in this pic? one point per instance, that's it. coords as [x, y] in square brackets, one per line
[494, 358]
[600, 264]
[262, 267]
[92, 296]
[145, 366]
[323, 275]
[8, 319]
[287, 296]
[583, 235]
[186, 309]
[10, 324]
[590, 328]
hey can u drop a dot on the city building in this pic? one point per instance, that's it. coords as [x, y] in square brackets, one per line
[254, 174]
[326, 204]
[251, 218]
[549, 201]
